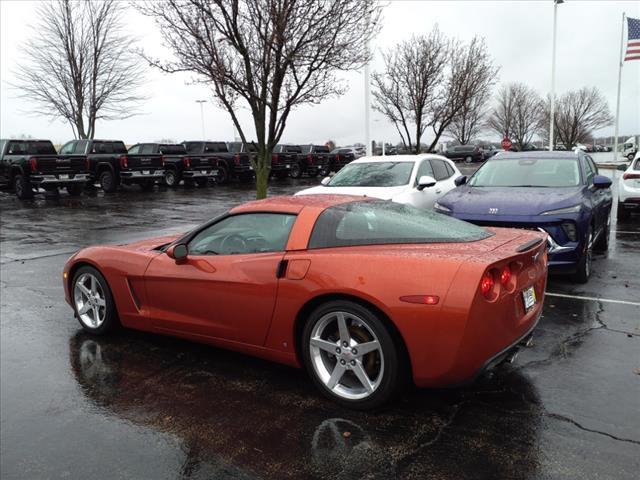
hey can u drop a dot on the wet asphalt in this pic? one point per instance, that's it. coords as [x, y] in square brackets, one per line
[142, 406]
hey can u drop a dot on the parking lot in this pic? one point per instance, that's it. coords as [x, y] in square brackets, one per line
[144, 406]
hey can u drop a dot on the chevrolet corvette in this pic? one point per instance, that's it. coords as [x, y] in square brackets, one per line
[365, 294]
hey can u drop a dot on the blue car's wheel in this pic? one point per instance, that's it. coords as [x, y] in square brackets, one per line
[584, 266]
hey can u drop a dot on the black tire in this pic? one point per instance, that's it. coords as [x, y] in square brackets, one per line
[171, 178]
[393, 374]
[602, 243]
[631, 157]
[296, 170]
[223, 175]
[74, 190]
[324, 171]
[202, 182]
[22, 187]
[623, 213]
[147, 185]
[583, 272]
[110, 321]
[468, 159]
[108, 181]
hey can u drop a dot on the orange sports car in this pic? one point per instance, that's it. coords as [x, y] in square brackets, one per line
[364, 293]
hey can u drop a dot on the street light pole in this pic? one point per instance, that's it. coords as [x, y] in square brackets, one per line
[367, 85]
[202, 102]
[553, 74]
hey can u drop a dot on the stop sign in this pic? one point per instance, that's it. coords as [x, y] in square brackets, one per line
[506, 143]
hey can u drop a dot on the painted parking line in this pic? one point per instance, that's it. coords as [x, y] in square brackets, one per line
[595, 299]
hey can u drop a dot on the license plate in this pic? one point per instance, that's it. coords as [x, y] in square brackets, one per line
[146, 172]
[214, 172]
[529, 297]
[63, 177]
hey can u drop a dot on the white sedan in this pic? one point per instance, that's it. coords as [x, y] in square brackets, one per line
[629, 189]
[417, 180]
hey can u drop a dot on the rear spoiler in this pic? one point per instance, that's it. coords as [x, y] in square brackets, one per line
[529, 245]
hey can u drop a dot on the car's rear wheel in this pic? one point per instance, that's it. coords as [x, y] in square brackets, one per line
[171, 178]
[630, 157]
[108, 181]
[93, 302]
[223, 175]
[22, 187]
[468, 159]
[351, 355]
[296, 170]
[583, 271]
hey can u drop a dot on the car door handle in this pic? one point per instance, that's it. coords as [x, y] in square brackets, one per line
[438, 191]
[282, 268]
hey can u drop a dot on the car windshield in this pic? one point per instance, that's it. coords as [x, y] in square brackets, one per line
[527, 172]
[383, 222]
[373, 174]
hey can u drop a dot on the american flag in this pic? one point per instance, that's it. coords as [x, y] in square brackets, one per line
[633, 45]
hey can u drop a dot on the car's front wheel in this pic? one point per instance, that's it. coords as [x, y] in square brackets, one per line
[93, 302]
[350, 355]
[583, 271]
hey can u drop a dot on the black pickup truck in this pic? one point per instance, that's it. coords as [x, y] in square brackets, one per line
[29, 164]
[311, 161]
[230, 164]
[178, 165]
[338, 158]
[110, 164]
[283, 158]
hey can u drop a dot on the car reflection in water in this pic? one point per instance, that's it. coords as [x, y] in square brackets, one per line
[247, 418]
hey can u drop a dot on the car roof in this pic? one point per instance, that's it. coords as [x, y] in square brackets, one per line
[295, 204]
[399, 158]
[558, 155]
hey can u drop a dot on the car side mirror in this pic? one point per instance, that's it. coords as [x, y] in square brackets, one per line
[425, 181]
[461, 180]
[325, 181]
[622, 168]
[600, 181]
[178, 252]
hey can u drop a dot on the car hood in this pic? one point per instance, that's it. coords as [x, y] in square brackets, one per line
[509, 200]
[150, 243]
[384, 193]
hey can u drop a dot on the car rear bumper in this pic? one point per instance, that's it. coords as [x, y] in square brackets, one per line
[59, 179]
[203, 173]
[141, 175]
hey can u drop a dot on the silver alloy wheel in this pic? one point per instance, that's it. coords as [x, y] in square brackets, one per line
[90, 300]
[170, 178]
[468, 159]
[346, 355]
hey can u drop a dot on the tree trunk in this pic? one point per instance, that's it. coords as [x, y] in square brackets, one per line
[263, 170]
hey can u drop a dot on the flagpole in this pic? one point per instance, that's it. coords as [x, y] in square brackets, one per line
[620, 62]
[553, 76]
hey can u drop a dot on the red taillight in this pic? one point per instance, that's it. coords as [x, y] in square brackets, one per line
[310, 159]
[422, 299]
[87, 164]
[631, 176]
[186, 161]
[124, 161]
[236, 159]
[274, 158]
[486, 284]
[33, 164]
[505, 276]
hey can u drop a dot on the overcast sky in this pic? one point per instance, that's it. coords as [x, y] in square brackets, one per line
[518, 34]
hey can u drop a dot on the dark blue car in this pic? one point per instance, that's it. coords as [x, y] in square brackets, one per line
[560, 193]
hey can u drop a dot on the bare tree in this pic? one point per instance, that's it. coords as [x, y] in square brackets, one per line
[79, 64]
[268, 55]
[577, 114]
[405, 92]
[471, 120]
[516, 114]
[470, 77]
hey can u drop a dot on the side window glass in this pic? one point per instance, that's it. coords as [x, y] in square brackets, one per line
[135, 149]
[243, 234]
[80, 147]
[67, 148]
[146, 149]
[449, 168]
[588, 171]
[424, 169]
[439, 170]
[593, 165]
